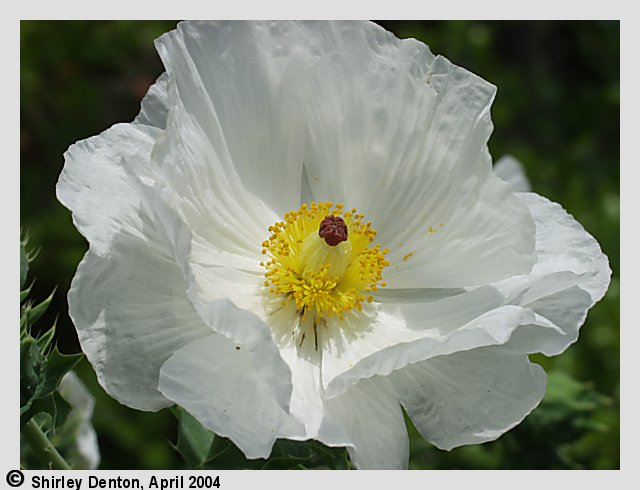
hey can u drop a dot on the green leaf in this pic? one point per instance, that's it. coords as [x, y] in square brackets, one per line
[46, 339]
[285, 463]
[289, 448]
[194, 440]
[201, 448]
[31, 363]
[25, 293]
[224, 454]
[335, 458]
[325, 455]
[39, 380]
[41, 368]
[219, 446]
[52, 404]
[56, 366]
[35, 312]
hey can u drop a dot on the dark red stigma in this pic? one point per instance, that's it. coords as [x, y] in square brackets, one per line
[333, 229]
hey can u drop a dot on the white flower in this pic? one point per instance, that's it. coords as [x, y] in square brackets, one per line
[207, 282]
[512, 172]
[75, 438]
[82, 451]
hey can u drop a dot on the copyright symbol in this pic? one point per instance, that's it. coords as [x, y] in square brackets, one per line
[15, 478]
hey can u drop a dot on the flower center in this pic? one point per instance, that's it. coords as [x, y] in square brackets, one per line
[323, 259]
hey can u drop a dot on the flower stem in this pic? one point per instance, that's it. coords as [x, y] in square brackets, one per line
[41, 445]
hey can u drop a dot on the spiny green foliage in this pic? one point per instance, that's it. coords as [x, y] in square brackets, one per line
[42, 366]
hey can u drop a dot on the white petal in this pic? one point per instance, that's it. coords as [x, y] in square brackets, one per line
[96, 185]
[76, 394]
[234, 390]
[211, 282]
[562, 244]
[558, 318]
[469, 397]
[371, 417]
[402, 136]
[127, 299]
[307, 404]
[207, 284]
[79, 421]
[210, 273]
[405, 333]
[131, 313]
[228, 222]
[155, 104]
[512, 172]
[487, 236]
[249, 332]
[571, 274]
[240, 82]
[304, 362]
[538, 312]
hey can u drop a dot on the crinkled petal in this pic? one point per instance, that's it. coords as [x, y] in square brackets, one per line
[127, 299]
[228, 302]
[218, 307]
[307, 403]
[567, 308]
[76, 394]
[227, 222]
[154, 107]
[210, 282]
[235, 318]
[370, 416]
[238, 388]
[131, 313]
[305, 363]
[401, 135]
[538, 312]
[96, 185]
[87, 451]
[253, 336]
[512, 172]
[304, 359]
[241, 88]
[402, 333]
[571, 274]
[469, 397]
[562, 244]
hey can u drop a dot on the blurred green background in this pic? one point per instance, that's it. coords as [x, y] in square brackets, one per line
[557, 110]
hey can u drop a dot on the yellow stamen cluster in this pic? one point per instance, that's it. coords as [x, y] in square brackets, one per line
[322, 279]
